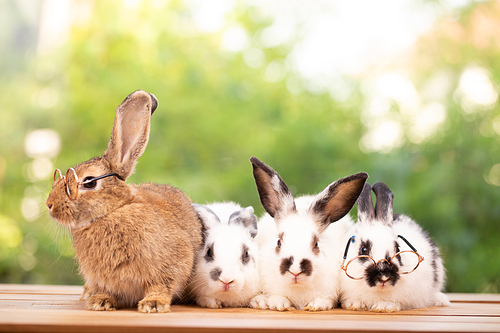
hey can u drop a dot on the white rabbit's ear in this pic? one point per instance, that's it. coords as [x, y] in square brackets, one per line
[130, 133]
[384, 204]
[207, 216]
[274, 195]
[337, 199]
[247, 218]
[366, 212]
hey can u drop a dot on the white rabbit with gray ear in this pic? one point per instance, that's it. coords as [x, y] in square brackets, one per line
[389, 263]
[226, 270]
[298, 265]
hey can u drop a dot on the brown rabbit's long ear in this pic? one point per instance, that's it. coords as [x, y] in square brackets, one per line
[130, 132]
[366, 212]
[337, 199]
[384, 204]
[275, 196]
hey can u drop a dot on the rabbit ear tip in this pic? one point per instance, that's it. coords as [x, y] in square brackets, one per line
[154, 103]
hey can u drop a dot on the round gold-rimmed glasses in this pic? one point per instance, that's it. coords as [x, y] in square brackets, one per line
[407, 261]
[72, 183]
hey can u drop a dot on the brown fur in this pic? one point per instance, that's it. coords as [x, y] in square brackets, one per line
[135, 244]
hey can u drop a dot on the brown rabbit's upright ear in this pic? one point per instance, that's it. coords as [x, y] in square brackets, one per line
[130, 132]
[337, 199]
[275, 196]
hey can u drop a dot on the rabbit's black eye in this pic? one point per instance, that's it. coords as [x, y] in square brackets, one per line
[315, 244]
[209, 255]
[245, 257]
[365, 248]
[278, 244]
[89, 182]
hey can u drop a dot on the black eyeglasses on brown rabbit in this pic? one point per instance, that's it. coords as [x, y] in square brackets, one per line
[72, 183]
[355, 268]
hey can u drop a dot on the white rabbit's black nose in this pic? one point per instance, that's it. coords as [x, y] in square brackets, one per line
[306, 267]
[215, 273]
[285, 265]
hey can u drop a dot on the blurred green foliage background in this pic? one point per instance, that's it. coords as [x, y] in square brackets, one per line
[425, 120]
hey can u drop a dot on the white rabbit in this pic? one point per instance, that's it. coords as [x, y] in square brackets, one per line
[406, 271]
[226, 271]
[298, 265]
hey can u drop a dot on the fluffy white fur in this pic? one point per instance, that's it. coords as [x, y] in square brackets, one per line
[319, 291]
[415, 290]
[228, 240]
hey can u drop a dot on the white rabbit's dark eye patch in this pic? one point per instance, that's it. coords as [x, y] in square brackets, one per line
[279, 243]
[245, 256]
[315, 244]
[365, 248]
[396, 248]
[209, 254]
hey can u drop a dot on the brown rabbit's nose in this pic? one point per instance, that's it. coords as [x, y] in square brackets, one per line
[49, 205]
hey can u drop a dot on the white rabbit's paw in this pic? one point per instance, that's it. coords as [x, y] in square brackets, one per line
[319, 304]
[280, 303]
[209, 302]
[353, 305]
[259, 302]
[442, 300]
[385, 307]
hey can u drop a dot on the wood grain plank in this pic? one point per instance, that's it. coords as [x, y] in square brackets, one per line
[456, 309]
[39, 289]
[63, 300]
[473, 298]
[35, 308]
[128, 321]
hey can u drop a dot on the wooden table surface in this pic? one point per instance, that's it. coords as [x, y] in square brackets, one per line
[44, 308]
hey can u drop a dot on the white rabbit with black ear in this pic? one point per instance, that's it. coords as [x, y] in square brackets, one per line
[226, 270]
[298, 265]
[390, 263]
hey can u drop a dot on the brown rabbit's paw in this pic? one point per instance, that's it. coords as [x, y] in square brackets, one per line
[154, 306]
[101, 302]
[88, 291]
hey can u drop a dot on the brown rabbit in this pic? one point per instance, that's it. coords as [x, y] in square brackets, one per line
[135, 243]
